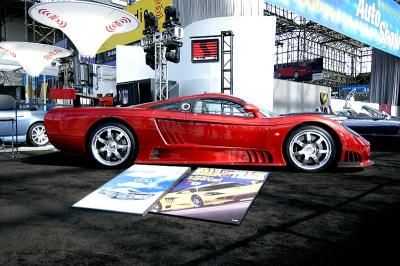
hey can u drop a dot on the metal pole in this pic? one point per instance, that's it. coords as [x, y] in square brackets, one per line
[26, 23]
[44, 93]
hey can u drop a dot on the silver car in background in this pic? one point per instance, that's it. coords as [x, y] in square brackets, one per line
[30, 127]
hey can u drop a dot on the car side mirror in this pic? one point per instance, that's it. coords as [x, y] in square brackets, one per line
[251, 108]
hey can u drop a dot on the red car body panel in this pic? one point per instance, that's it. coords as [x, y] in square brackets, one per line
[174, 137]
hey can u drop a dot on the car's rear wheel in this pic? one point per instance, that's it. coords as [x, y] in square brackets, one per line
[37, 135]
[112, 145]
[310, 149]
[197, 201]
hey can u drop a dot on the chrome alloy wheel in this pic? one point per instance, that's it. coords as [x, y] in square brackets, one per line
[111, 146]
[38, 135]
[310, 149]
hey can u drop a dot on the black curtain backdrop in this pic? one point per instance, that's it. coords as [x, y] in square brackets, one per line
[385, 78]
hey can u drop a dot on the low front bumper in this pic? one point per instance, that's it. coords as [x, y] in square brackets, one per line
[356, 153]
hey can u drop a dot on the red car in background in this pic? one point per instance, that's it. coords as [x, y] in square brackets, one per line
[293, 72]
[299, 71]
[204, 129]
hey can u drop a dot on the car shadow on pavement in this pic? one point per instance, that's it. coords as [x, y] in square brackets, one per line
[62, 159]
[59, 159]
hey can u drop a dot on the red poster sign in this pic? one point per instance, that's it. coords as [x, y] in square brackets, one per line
[205, 50]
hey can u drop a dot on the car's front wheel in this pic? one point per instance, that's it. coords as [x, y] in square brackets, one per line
[112, 145]
[310, 149]
[156, 207]
[37, 135]
[197, 201]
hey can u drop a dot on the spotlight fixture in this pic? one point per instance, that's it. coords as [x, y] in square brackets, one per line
[150, 58]
[171, 17]
[172, 54]
[150, 24]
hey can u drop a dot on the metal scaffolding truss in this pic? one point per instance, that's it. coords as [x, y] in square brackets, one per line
[345, 60]
[227, 62]
[39, 33]
[17, 11]
[161, 69]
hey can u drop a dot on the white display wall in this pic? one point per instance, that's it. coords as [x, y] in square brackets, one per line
[131, 64]
[253, 60]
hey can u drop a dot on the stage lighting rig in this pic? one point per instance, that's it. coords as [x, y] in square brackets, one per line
[161, 47]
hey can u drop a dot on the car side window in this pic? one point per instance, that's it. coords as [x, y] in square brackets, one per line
[220, 107]
[175, 106]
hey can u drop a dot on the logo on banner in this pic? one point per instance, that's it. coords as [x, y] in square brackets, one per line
[53, 53]
[7, 51]
[54, 17]
[159, 8]
[118, 23]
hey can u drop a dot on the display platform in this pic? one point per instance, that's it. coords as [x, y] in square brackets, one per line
[135, 190]
[218, 195]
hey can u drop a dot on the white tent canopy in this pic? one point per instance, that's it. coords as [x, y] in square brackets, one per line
[87, 24]
[33, 57]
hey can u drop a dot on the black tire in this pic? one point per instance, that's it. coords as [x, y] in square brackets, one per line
[197, 201]
[37, 135]
[112, 145]
[310, 149]
[156, 207]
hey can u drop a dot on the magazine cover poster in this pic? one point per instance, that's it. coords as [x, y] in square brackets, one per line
[220, 195]
[135, 190]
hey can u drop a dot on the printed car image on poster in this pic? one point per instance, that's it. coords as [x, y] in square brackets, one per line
[220, 195]
[135, 190]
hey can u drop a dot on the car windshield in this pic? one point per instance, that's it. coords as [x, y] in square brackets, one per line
[267, 113]
[372, 112]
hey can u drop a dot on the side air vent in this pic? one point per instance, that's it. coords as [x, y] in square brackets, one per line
[170, 131]
[351, 156]
[261, 157]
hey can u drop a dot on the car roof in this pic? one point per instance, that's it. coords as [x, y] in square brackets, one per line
[194, 96]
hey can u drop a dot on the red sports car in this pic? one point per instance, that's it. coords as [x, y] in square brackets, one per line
[204, 129]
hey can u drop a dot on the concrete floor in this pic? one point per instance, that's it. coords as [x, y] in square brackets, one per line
[333, 218]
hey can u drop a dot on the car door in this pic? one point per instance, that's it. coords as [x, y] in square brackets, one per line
[171, 122]
[23, 118]
[223, 123]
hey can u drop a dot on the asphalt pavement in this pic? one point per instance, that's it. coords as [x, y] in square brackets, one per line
[332, 218]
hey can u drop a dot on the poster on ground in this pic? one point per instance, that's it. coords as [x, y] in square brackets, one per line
[135, 190]
[219, 195]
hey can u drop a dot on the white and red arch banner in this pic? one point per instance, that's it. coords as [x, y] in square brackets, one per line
[33, 57]
[87, 24]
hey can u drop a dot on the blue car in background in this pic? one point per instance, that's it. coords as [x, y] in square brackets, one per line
[30, 127]
[379, 128]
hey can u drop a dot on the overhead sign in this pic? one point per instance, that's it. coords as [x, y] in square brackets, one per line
[138, 9]
[359, 88]
[374, 22]
[205, 50]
